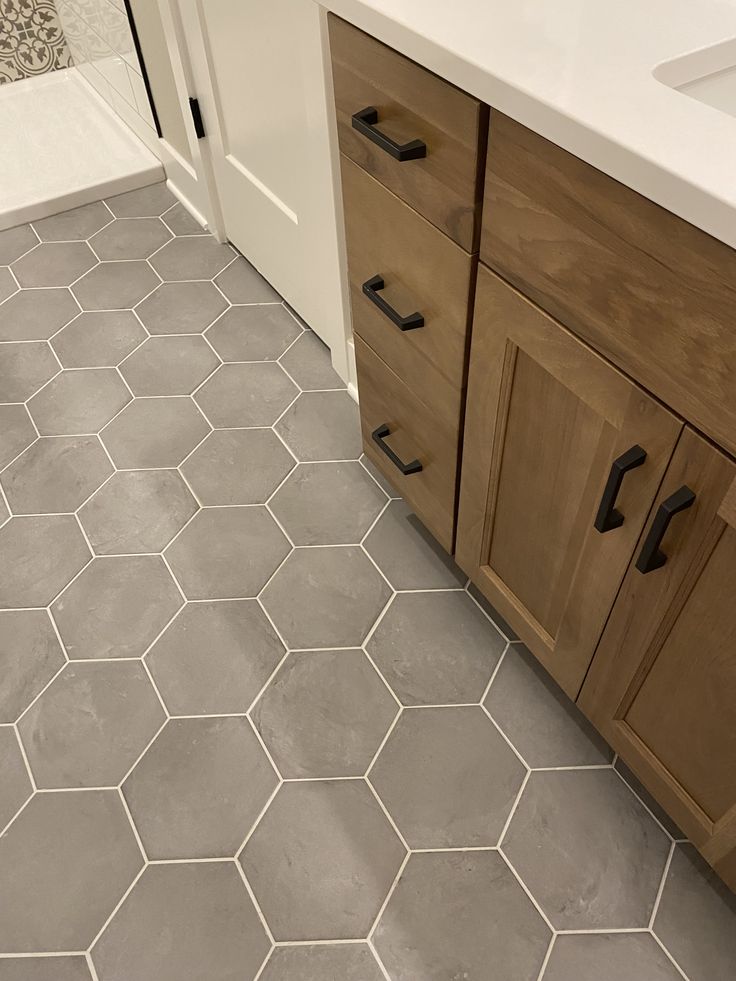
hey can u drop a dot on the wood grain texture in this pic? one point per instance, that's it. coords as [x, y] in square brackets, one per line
[412, 103]
[662, 686]
[416, 432]
[545, 418]
[423, 271]
[648, 290]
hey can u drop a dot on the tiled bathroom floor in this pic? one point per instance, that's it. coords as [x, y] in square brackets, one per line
[252, 723]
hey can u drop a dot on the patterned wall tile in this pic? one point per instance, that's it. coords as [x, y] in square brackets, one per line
[31, 39]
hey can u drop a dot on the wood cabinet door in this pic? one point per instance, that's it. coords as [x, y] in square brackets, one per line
[546, 418]
[662, 686]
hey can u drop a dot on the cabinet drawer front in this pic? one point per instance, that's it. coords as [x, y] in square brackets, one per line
[412, 104]
[546, 418]
[422, 272]
[648, 290]
[416, 433]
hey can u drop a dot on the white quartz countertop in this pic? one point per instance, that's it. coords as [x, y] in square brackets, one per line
[579, 72]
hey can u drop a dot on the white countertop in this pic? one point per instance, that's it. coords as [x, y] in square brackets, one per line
[579, 72]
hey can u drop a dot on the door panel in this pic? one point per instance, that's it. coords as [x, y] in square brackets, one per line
[545, 419]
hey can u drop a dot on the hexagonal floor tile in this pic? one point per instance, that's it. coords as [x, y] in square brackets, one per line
[40, 556]
[184, 923]
[460, 916]
[24, 368]
[30, 656]
[328, 504]
[55, 474]
[308, 362]
[408, 555]
[154, 432]
[48, 968]
[115, 285]
[54, 264]
[238, 466]
[199, 788]
[325, 597]
[241, 283]
[78, 401]
[240, 395]
[227, 553]
[322, 962]
[214, 658]
[4, 513]
[36, 315]
[64, 864]
[436, 648]
[144, 202]
[15, 241]
[181, 222]
[8, 285]
[16, 432]
[322, 860]
[609, 957]
[195, 257]
[91, 724]
[324, 714]
[169, 366]
[322, 426]
[448, 778]
[14, 779]
[130, 238]
[137, 511]
[582, 833]
[181, 308]
[253, 333]
[100, 339]
[117, 607]
[79, 223]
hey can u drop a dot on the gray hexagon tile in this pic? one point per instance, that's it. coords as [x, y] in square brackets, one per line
[322, 962]
[79, 223]
[169, 366]
[609, 957]
[137, 511]
[253, 333]
[8, 285]
[180, 222]
[328, 504]
[115, 285]
[227, 553]
[322, 860]
[4, 513]
[308, 362]
[322, 426]
[30, 656]
[117, 607]
[242, 283]
[15, 785]
[65, 863]
[24, 368]
[48, 968]
[238, 466]
[90, 725]
[130, 238]
[54, 264]
[324, 714]
[184, 922]
[16, 432]
[194, 257]
[36, 315]
[240, 395]
[100, 339]
[436, 648]
[154, 433]
[325, 597]
[214, 658]
[461, 915]
[55, 474]
[15, 241]
[145, 202]
[78, 401]
[589, 852]
[448, 778]
[181, 308]
[41, 555]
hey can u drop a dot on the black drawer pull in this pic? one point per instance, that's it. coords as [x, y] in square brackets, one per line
[379, 435]
[371, 289]
[608, 517]
[651, 557]
[365, 123]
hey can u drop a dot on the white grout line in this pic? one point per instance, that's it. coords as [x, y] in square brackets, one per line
[662, 881]
[526, 889]
[547, 956]
[389, 894]
[669, 956]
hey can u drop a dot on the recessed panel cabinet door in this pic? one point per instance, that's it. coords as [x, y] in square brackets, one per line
[557, 441]
[662, 686]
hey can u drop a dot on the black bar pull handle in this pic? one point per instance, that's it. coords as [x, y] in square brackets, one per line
[371, 288]
[379, 435]
[651, 557]
[608, 517]
[365, 123]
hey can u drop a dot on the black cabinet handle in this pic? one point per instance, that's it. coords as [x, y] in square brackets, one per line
[379, 435]
[365, 123]
[371, 288]
[608, 517]
[651, 557]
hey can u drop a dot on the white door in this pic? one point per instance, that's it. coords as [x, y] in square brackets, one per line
[265, 107]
